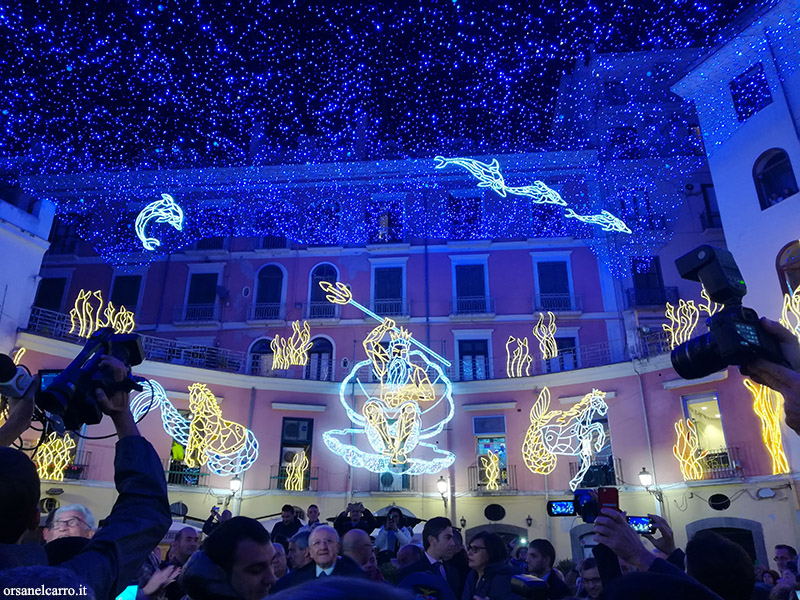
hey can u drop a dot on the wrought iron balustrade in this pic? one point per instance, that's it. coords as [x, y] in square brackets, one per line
[601, 473]
[557, 302]
[723, 463]
[656, 296]
[478, 481]
[279, 474]
[322, 310]
[270, 311]
[390, 307]
[196, 313]
[177, 473]
[472, 305]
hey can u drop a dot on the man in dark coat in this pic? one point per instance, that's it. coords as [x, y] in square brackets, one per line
[439, 547]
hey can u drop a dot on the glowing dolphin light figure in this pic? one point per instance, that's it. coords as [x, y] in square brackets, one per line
[163, 211]
[490, 176]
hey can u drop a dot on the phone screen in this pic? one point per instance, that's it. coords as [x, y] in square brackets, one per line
[641, 524]
[129, 593]
[561, 508]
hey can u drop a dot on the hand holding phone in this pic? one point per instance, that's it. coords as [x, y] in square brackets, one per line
[642, 525]
[608, 497]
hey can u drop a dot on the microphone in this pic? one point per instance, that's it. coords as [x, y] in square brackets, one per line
[15, 380]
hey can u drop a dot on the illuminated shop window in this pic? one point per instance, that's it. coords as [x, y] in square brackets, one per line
[788, 265]
[704, 411]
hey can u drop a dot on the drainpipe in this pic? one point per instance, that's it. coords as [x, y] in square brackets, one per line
[647, 433]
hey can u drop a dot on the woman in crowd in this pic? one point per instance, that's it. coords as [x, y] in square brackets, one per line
[490, 575]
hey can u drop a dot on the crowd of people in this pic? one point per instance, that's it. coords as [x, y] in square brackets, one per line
[359, 555]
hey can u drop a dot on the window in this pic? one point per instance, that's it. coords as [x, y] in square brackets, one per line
[470, 289]
[320, 360]
[319, 307]
[750, 92]
[710, 217]
[623, 143]
[774, 177]
[296, 437]
[63, 237]
[497, 445]
[466, 216]
[269, 293]
[50, 295]
[202, 298]
[178, 473]
[637, 211]
[125, 291]
[648, 284]
[553, 286]
[567, 358]
[388, 297]
[261, 357]
[703, 410]
[788, 265]
[473, 359]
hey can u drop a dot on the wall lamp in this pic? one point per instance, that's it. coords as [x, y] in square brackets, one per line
[463, 522]
[528, 520]
[441, 487]
[235, 484]
[646, 479]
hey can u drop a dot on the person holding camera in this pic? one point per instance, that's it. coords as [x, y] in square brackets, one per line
[139, 518]
[393, 535]
[215, 519]
[359, 518]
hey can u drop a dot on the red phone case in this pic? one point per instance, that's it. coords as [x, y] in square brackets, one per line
[608, 497]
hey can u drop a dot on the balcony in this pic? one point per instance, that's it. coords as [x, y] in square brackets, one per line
[390, 307]
[279, 475]
[273, 242]
[723, 463]
[478, 482]
[177, 473]
[322, 310]
[710, 220]
[601, 473]
[557, 303]
[196, 313]
[652, 343]
[212, 243]
[389, 482]
[78, 469]
[472, 305]
[641, 297]
[271, 311]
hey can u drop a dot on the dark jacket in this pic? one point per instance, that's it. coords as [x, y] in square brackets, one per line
[345, 566]
[558, 589]
[287, 530]
[204, 580]
[452, 576]
[343, 524]
[495, 583]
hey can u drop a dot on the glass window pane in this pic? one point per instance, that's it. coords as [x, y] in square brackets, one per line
[704, 411]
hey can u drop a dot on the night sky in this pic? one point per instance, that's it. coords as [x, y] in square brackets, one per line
[145, 85]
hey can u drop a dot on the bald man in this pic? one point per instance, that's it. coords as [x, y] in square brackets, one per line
[357, 545]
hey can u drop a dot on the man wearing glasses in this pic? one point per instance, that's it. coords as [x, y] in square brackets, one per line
[72, 520]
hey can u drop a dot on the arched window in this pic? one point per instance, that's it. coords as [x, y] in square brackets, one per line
[319, 307]
[320, 360]
[788, 265]
[260, 357]
[774, 177]
[269, 292]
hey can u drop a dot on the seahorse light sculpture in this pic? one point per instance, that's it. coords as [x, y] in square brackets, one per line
[293, 350]
[296, 472]
[86, 317]
[162, 211]
[687, 450]
[491, 465]
[54, 456]
[218, 443]
[569, 433]
[768, 406]
[545, 333]
[681, 321]
[790, 314]
[518, 357]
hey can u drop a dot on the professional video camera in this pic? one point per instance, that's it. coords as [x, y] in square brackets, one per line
[735, 335]
[71, 393]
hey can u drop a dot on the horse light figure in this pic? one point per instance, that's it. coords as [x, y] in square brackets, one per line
[567, 433]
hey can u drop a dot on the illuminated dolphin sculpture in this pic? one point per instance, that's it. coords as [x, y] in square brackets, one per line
[163, 211]
[488, 175]
[605, 220]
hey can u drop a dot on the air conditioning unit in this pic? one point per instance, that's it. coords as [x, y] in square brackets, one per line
[391, 482]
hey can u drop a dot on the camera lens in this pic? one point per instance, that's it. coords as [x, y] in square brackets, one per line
[697, 358]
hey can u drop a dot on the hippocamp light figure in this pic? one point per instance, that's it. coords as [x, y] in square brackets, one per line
[568, 433]
[163, 211]
[392, 419]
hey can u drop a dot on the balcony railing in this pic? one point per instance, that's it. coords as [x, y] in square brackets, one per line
[472, 305]
[651, 296]
[279, 475]
[196, 313]
[390, 307]
[177, 473]
[266, 311]
[601, 473]
[723, 463]
[479, 483]
[322, 310]
[212, 243]
[652, 343]
[557, 302]
[274, 242]
[392, 482]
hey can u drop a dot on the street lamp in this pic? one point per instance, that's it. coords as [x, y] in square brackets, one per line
[646, 479]
[441, 487]
[235, 484]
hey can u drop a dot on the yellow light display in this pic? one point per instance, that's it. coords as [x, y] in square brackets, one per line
[687, 450]
[54, 456]
[293, 350]
[790, 315]
[518, 359]
[681, 322]
[710, 308]
[569, 433]
[545, 333]
[296, 472]
[491, 464]
[768, 406]
[87, 318]
[17, 358]
[208, 431]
